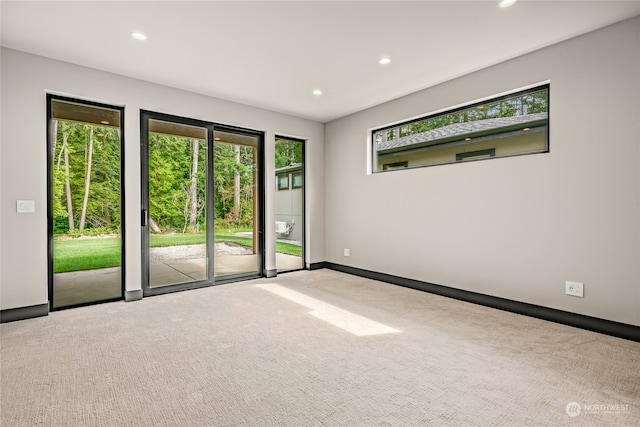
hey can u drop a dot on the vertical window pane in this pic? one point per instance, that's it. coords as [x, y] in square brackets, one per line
[177, 162]
[297, 180]
[237, 203]
[85, 202]
[289, 201]
[283, 182]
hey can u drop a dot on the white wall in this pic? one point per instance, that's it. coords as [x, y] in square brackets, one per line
[516, 228]
[23, 174]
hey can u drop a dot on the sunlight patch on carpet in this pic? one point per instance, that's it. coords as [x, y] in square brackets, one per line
[343, 319]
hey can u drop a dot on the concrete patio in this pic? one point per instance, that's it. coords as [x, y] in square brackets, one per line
[81, 287]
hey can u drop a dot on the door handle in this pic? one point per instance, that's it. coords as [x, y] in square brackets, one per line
[144, 217]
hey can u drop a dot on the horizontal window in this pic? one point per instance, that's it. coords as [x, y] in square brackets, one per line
[475, 155]
[504, 126]
[397, 165]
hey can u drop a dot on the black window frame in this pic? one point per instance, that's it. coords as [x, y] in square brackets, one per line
[50, 98]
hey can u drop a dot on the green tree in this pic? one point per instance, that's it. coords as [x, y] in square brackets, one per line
[288, 152]
[176, 182]
[86, 176]
[529, 103]
[234, 167]
[87, 179]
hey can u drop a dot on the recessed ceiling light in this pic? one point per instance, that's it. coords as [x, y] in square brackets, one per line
[467, 139]
[526, 129]
[317, 92]
[384, 61]
[138, 36]
[507, 3]
[104, 122]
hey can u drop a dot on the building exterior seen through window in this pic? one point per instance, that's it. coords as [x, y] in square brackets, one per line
[509, 125]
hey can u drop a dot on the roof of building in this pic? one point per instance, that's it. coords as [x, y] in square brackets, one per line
[290, 167]
[460, 130]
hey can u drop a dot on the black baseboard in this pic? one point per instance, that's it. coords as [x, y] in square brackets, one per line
[319, 265]
[603, 326]
[133, 295]
[22, 313]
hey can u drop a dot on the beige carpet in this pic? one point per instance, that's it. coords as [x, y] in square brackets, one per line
[240, 355]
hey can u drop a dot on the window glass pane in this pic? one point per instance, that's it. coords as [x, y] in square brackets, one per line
[297, 180]
[475, 155]
[283, 182]
[398, 165]
[505, 126]
[85, 197]
[237, 203]
[289, 204]
[177, 183]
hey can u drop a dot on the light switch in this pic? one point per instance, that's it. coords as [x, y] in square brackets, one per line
[26, 206]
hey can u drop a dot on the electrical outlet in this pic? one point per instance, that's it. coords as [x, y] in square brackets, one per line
[347, 252]
[575, 289]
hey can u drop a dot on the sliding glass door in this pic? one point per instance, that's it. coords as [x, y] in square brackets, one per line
[175, 215]
[201, 203]
[237, 203]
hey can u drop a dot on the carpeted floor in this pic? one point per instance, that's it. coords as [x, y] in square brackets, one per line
[242, 355]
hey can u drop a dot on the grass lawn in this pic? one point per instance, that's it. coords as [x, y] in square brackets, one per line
[288, 248]
[85, 254]
[90, 254]
[161, 240]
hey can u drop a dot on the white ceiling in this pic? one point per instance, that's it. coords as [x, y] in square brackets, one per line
[272, 54]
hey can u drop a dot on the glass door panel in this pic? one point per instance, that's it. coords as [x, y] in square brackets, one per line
[176, 214]
[85, 202]
[237, 203]
[289, 204]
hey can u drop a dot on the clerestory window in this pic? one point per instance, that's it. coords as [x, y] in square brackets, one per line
[508, 125]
